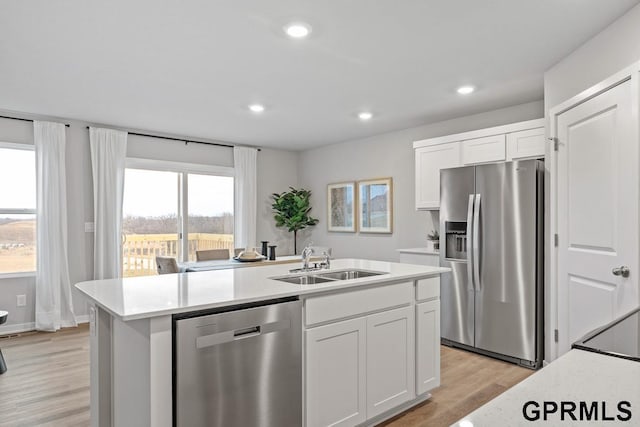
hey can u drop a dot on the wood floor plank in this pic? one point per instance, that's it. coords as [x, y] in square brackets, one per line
[468, 381]
[47, 383]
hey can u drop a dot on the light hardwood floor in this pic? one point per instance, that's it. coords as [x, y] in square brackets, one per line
[48, 383]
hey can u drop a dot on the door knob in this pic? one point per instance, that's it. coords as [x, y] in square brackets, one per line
[621, 271]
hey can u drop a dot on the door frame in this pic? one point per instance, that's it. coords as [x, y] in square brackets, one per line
[552, 311]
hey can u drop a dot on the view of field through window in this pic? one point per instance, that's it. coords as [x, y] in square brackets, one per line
[152, 216]
[17, 210]
[17, 243]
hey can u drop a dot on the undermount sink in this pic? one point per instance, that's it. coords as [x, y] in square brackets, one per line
[349, 274]
[329, 276]
[303, 280]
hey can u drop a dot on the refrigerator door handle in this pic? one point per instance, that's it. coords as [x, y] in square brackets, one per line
[469, 247]
[476, 242]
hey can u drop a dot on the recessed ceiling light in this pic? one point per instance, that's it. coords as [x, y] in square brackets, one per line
[365, 115]
[297, 30]
[466, 90]
[256, 108]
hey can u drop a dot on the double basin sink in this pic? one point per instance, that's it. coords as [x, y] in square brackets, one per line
[317, 277]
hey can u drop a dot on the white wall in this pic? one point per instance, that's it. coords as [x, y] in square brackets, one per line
[390, 154]
[277, 170]
[616, 47]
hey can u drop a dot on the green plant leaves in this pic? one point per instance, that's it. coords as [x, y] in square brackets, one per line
[291, 209]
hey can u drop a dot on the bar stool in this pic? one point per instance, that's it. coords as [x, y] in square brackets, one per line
[3, 365]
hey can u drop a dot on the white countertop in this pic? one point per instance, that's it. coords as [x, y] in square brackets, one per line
[576, 376]
[420, 251]
[151, 296]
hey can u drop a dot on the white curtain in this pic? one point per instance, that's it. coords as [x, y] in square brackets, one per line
[245, 165]
[54, 304]
[108, 152]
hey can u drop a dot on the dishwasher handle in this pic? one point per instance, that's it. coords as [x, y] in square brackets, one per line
[242, 333]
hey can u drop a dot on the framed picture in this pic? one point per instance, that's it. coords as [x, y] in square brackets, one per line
[375, 213]
[341, 207]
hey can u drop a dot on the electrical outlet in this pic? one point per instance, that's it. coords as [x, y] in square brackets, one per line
[21, 300]
[89, 227]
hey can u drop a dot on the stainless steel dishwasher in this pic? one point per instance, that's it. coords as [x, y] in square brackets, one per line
[239, 367]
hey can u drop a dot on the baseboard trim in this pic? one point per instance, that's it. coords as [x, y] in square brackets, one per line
[18, 328]
[395, 411]
[82, 319]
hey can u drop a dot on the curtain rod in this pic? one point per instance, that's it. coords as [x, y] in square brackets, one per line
[186, 141]
[24, 120]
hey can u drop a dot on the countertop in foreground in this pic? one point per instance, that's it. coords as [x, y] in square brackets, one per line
[151, 296]
[578, 376]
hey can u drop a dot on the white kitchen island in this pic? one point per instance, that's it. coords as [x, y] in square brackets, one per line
[394, 317]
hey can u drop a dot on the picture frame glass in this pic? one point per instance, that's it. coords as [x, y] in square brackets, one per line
[341, 207]
[375, 206]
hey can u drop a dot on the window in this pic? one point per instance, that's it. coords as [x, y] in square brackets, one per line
[17, 208]
[165, 201]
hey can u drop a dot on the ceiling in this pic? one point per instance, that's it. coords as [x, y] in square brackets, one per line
[192, 67]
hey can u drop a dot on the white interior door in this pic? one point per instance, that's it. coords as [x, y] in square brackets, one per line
[597, 213]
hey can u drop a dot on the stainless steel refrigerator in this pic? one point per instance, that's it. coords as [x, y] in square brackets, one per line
[491, 236]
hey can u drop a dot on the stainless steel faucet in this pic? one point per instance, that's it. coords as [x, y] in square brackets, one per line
[306, 256]
[327, 260]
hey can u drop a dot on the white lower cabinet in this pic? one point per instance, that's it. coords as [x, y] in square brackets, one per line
[359, 368]
[390, 360]
[336, 372]
[427, 346]
[432, 260]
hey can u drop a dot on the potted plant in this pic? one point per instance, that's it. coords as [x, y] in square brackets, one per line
[291, 210]
[433, 241]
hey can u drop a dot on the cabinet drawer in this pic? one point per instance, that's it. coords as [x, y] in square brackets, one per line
[428, 288]
[482, 150]
[337, 306]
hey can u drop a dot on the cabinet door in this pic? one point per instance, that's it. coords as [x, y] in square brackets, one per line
[428, 346]
[429, 161]
[527, 143]
[335, 374]
[390, 360]
[483, 150]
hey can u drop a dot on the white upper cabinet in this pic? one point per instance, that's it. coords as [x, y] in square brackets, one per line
[509, 142]
[525, 144]
[484, 150]
[429, 161]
